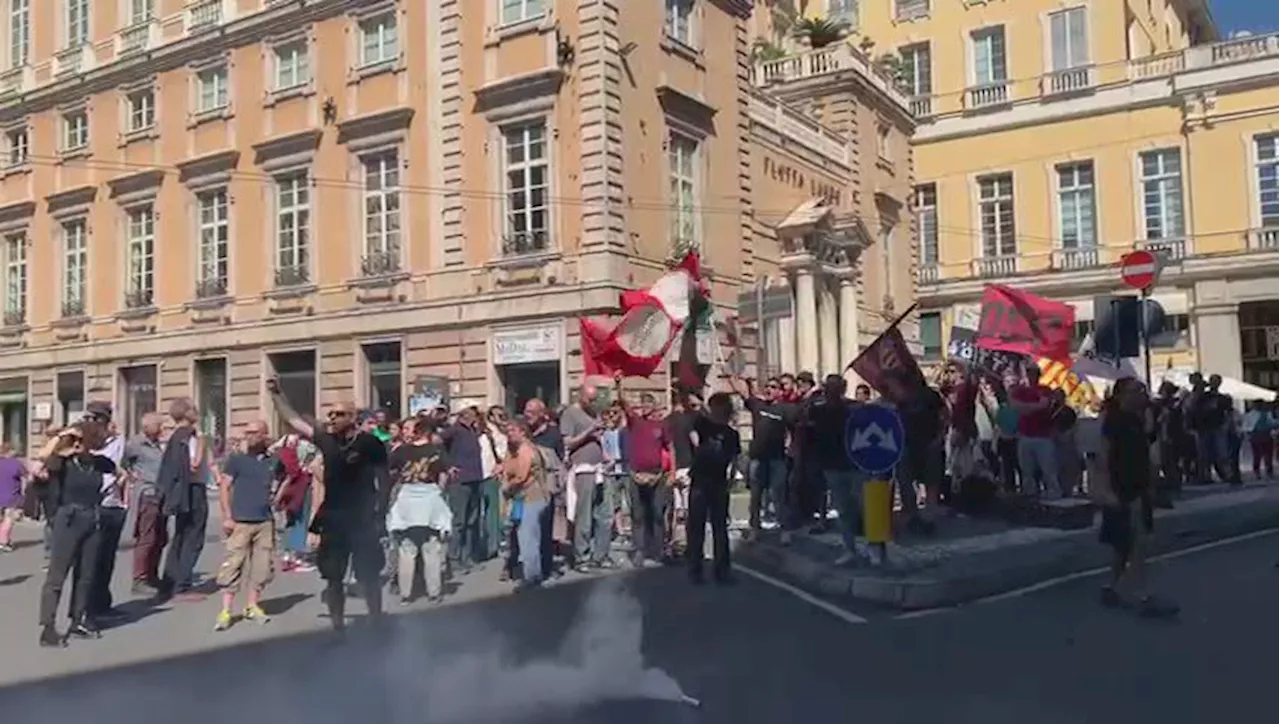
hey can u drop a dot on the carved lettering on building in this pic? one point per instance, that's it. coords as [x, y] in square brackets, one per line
[830, 194]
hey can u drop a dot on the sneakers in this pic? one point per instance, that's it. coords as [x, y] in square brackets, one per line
[256, 614]
[846, 559]
[84, 629]
[50, 639]
[223, 622]
[6, 548]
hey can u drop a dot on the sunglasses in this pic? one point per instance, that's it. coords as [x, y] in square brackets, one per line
[335, 414]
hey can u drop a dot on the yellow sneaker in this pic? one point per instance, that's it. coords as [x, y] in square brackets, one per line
[223, 621]
[255, 613]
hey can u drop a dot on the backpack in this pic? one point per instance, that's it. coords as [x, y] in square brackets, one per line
[553, 470]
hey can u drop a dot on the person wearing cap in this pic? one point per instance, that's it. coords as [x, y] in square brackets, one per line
[112, 512]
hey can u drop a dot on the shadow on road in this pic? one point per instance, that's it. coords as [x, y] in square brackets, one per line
[15, 580]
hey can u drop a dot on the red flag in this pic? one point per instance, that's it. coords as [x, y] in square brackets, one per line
[1017, 321]
[889, 367]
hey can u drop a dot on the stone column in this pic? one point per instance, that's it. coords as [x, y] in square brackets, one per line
[828, 328]
[806, 318]
[787, 342]
[1218, 340]
[849, 340]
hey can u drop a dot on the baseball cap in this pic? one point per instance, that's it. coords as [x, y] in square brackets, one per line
[98, 410]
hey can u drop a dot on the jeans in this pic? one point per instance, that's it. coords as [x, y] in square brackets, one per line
[491, 518]
[427, 543]
[769, 477]
[75, 546]
[535, 518]
[295, 536]
[466, 501]
[150, 536]
[110, 526]
[1261, 446]
[593, 521]
[188, 542]
[1037, 455]
[708, 504]
[846, 495]
[1007, 452]
[649, 505]
[1212, 455]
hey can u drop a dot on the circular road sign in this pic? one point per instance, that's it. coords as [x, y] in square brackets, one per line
[1139, 269]
[874, 438]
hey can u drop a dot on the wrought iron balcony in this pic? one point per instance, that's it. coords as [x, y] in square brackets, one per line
[292, 276]
[524, 243]
[15, 317]
[211, 288]
[138, 298]
[380, 263]
[73, 308]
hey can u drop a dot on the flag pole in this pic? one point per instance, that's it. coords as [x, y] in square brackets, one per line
[886, 330]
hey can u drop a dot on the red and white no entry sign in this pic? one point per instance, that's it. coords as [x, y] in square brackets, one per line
[1139, 269]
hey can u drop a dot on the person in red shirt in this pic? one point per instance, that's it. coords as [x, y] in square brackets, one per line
[1037, 457]
[646, 443]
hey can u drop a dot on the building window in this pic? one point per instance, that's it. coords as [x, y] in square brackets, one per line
[140, 11]
[293, 225]
[1069, 38]
[989, 60]
[884, 141]
[1268, 174]
[77, 22]
[1176, 332]
[917, 71]
[75, 267]
[927, 223]
[383, 386]
[931, 335]
[995, 208]
[1077, 225]
[70, 397]
[526, 225]
[910, 9]
[215, 235]
[679, 25]
[138, 388]
[142, 110]
[15, 279]
[17, 147]
[296, 373]
[1162, 193]
[293, 68]
[381, 213]
[518, 11]
[379, 41]
[683, 157]
[843, 11]
[211, 397]
[211, 89]
[75, 131]
[19, 32]
[141, 235]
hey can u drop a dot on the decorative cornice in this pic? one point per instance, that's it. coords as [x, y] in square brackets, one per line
[680, 104]
[375, 124]
[292, 144]
[517, 88]
[16, 211]
[218, 163]
[71, 198]
[136, 183]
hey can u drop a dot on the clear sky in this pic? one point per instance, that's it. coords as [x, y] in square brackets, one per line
[1253, 15]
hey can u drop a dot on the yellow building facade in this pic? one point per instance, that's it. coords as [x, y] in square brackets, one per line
[390, 201]
[1054, 137]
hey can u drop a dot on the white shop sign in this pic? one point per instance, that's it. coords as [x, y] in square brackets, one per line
[522, 346]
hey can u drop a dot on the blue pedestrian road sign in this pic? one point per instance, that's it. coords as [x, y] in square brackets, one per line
[874, 438]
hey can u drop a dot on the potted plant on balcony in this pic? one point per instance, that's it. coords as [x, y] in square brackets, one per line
[820, 32]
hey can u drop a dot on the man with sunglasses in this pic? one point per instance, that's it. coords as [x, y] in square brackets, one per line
[345, 519]
[771, 421]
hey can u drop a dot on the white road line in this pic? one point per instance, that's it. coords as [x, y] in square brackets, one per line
[830, 608]
[1051, 582]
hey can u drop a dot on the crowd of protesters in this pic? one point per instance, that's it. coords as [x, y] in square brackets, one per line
[375, 503]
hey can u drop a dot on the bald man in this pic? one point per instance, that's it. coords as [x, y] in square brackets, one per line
[142, 456]
[592, 514]
[345, 527]
[246, 500]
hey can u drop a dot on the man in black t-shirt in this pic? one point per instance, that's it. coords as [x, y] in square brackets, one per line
[344, 524]
[826, 417]
[716, 447]
[770, 430]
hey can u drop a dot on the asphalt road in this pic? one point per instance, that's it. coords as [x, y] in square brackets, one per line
[578, 652]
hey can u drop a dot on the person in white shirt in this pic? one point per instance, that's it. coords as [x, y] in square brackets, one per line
[112, 512]
[493, 450]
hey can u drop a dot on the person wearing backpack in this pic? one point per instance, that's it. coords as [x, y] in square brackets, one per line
[529, 474]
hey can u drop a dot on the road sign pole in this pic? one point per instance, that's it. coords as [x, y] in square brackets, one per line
[877, 511]
[1146, 338]
[875, 439]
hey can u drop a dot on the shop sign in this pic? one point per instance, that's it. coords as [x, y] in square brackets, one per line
[522, 346]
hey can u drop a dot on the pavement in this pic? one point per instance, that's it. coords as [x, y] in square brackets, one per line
[969, 558]
[624, 648]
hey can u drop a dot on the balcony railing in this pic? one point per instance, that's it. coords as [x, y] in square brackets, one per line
[821, 61]
[292, 276]
[138, 299]
[796, 126]
[1069, 259]
[521, 244]
[72, 308]
[204, 14]
[70, 61]
[921, 106]
[927, 273]
[1069, 80]
[17, 80]
[1264, 239]
[1169, 249]
[1227, 52]
[15, 317]
[380, 263]
[136, 38]
[996, 266]
[211, 288]
[987, 95]
[1235, 50]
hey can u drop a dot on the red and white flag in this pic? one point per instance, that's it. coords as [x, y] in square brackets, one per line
[651, 320]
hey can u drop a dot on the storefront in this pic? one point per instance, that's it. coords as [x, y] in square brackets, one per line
[1258, 324]
[13, 413]
[529, 363]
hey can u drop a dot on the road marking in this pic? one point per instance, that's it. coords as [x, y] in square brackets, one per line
[1051, 582]
[808, 598]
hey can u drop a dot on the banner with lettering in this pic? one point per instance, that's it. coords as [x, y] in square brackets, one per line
[889, 367]
[996, 364]
[1017, 321]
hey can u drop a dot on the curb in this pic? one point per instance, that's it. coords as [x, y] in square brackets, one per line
[1005, 570]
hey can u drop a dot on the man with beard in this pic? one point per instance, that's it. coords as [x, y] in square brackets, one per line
[247, 493]
[344, 527]
[582, 429]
